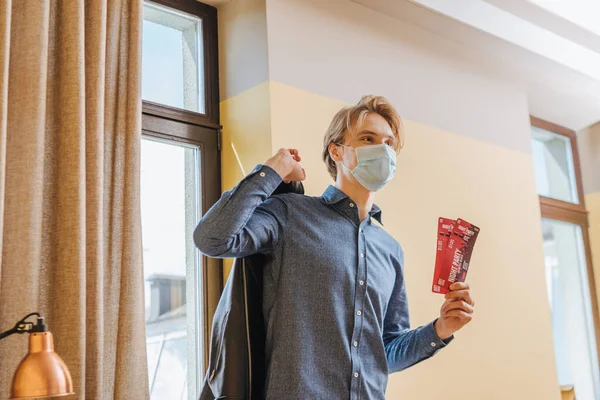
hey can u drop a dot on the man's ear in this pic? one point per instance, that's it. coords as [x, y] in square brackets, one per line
[334, 152]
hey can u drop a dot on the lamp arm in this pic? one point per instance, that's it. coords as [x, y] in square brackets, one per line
[9, 332]
[26, 326]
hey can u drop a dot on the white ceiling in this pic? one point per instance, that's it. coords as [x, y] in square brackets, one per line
[584, 13]
[549, 47]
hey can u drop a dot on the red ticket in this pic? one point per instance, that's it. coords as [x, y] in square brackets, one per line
[457, 255]
[445, 226]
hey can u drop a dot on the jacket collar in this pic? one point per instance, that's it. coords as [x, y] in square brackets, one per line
[333, 195]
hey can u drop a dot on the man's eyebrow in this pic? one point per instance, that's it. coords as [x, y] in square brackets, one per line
[367, 132]
[371, 133]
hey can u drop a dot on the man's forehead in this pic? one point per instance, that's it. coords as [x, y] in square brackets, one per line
[375, 123]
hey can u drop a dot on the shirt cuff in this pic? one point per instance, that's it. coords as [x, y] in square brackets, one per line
[265, 177]
[434, 340]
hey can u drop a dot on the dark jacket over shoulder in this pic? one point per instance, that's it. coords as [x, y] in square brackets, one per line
[236, 363]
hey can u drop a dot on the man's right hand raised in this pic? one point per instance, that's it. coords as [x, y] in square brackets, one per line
[286, 162]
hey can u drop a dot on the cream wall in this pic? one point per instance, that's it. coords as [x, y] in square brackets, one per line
[243, 52]
[323, 55]
[592, 204]
[588, 142]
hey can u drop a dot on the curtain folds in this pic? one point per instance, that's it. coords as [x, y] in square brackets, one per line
[70, 229]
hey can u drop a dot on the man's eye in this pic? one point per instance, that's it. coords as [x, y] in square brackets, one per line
[390, 144]
[368, 139]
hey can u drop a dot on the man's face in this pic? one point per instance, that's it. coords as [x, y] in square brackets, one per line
[373, 130]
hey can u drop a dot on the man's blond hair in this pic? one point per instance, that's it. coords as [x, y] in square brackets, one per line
[348, 119]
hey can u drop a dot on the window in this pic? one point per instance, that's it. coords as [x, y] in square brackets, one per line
[169, 196]
[554, 169]
[570, 303]
[569, 277]
[172, 58]
[180, 180]
[180, 61]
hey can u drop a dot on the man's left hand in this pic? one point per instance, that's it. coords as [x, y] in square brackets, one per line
[456, 312]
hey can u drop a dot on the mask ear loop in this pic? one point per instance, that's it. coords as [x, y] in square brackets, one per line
[355, 155]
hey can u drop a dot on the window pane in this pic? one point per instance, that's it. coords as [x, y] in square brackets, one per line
[172, 371]
[153, 351]
[172, 67]
[568, 293]
[170, 198]
[553, 166]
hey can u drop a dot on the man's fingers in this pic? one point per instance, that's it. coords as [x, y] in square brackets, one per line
[295, 154]
[457, 305]
[459, 286]
[463, 316]
[460, 294]
[461, 290]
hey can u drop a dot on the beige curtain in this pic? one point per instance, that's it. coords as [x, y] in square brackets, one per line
[70, 240]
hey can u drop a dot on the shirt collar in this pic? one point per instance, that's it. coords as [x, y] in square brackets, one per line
[333, 195]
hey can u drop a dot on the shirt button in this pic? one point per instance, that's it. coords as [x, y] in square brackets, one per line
[362, 255]
[432, 344]
[359, 312]
[356, 374]
[355, 344]
[361, 282]
[262, 174]
[351, 204]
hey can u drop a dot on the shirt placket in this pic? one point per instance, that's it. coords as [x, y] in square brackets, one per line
[359, 316]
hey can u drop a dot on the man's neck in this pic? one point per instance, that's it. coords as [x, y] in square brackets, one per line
[363, 198]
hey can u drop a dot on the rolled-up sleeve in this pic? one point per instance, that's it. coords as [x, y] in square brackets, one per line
[245, 220]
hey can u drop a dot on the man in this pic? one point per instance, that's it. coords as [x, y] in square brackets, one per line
[334, 302]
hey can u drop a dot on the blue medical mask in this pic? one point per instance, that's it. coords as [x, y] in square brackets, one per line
[375, 165]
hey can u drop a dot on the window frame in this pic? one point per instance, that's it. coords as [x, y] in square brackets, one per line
[572, 136]
[203, 130]
[211, 273]
[211, 117]
[574, 213]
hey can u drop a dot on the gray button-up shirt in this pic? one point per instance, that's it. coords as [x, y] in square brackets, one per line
[334, 302]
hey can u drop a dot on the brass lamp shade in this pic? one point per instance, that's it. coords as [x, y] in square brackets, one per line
[42, 373]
